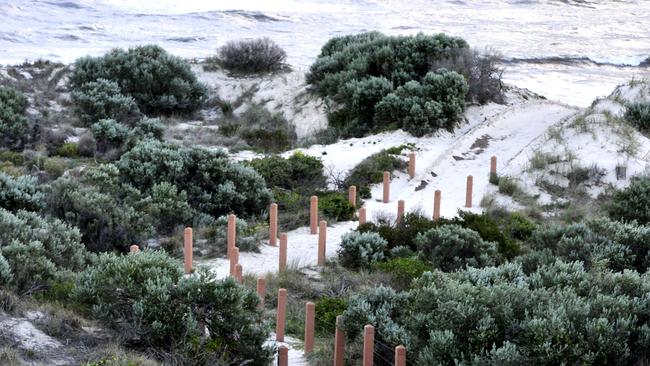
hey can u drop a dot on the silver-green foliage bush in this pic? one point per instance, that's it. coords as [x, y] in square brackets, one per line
[38, 250]
[631, 203]
[102, 99]
[638, 114]
[13, 123]
[214, 184]
[246, 236]
[452, 247]
[158, 82]
[199, 319]
[558, 314]
[22, 193]
[111, 135]
[359, 250]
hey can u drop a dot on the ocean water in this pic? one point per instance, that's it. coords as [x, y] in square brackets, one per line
[567, 50]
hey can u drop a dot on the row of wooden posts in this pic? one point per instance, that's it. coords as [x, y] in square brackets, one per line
[315, 226]
[339, 336]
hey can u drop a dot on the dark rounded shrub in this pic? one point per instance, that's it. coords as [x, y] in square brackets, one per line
[632, 203]
[103, 99]
[327, 309]
[297, 172]
[158, 82]
[404, 270]
[335, 206]
[638, 114]
[255, 56]
[13, 123]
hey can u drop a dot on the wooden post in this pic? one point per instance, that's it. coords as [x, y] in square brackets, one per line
[232, 233]
[386, 197]
[339, 343]
[362, 215]
[400, 211]
[187, 249]
[400, 356]
[239, 273]
[134, 249]
[283, 356]
[322, 242]
[310, 319]
[352, 196]
[412, 165]
[468, 192]
[281, 315]
[436, 204]
[313, 215]
[273, 224]
[234, 260]
[493, 165]
[282, 263]
[261, 290]
[368, 345]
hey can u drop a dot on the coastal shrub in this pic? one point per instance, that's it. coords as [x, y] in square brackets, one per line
[109, 135]
[490, 229]
[266, 131]
[254, 56]
[6, 277]
[214, 184]
[371, 170]
[631, 203]
[13, 122]
[38, 251]
[158, 82]
[404, 270]
[327, 309]
[561, 313]
[21, 193]
[170, 207]
[335, 206]
[638, 114]
[68, 150]
[297, 172]
[148, 128]
[199, 319]
[480, 70]
[110, 215]
[247, 238]
[422, 107]
[402, 235]
[452, 247]
[357, 73]
[102, 99]
[360, 250]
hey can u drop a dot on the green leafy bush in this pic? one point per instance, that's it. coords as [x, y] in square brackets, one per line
[266, 131]
[255, 56]
[102, 99]
[170, 207]
[560, 314]
[327, 309]
[109, 134]
[452, 247]
[214, 184]
[38, 251]
[371, 169]
[335, 206]
[360, 72]
[631, 203]
[22, 193]
[158, 82]
[361, 250]
[490, 229]
[638, 114]
[404, 270]
[297, 172]
[402, 235]
[68, 150]
[13, 123]
[200, 319]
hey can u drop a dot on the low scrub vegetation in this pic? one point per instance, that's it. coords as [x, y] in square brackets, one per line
[638, 114]
[254, 56]
[13, 122]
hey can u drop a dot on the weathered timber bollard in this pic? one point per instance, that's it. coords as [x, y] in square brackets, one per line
[234, 260]
[283, 356]
[310, 319]
[386, 197]
[282, 260]
[232, 233]
[368, 345]
[362, 215]
[273, 224]
[400, 356]
[339, 343]
[261, 290]
[493, 165]
[400, 211]
[412, 165]
[436, 205]
[322, 242]
[468, 192]
[281, 315]
[352, 196]
[187, 250]
[239, 273]
[134, 249]
[313, 215]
